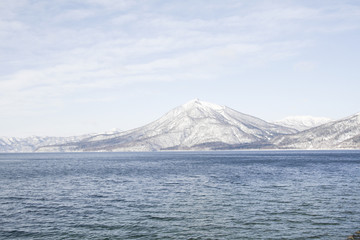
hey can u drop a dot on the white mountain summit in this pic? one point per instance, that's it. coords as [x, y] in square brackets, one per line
[196, 125]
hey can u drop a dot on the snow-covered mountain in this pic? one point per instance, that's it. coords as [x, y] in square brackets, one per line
[341, 134]
[196, 125]
[302, 123]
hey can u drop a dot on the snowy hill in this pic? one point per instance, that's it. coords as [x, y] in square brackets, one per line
[302, 123]
[341, 134]
[30, 144]
[196, 125]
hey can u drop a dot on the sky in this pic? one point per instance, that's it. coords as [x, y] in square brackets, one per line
[70, 67]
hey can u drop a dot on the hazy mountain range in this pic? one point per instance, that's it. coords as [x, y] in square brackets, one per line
[302, 123]
[31, 144]
[199, 125]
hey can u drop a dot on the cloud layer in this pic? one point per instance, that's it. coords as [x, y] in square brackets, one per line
[58, 50]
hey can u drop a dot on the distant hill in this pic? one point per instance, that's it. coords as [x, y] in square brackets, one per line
[302, 123]
[341, 134]
[31, 144]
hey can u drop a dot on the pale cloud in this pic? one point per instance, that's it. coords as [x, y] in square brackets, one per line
[106, 73]
[75, 14]
[112, 4]
[9, 8]
[305, 66]
[8, 26]
[124, 19]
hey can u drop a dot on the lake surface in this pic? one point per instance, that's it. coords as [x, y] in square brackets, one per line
[180, 195]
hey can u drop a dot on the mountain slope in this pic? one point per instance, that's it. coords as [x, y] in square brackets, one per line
[344, 133]
[196, 125]
[302, 123]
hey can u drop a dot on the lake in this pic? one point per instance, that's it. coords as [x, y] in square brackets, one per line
[180, 195]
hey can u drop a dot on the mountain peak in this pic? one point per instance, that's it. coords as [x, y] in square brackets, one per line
[195, 100]
[197, 103]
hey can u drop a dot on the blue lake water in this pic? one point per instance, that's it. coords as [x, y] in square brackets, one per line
[180, 195]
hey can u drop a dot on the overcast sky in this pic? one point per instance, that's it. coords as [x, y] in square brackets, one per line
[70, 67]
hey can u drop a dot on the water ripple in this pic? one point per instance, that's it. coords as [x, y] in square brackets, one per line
[220, 195]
